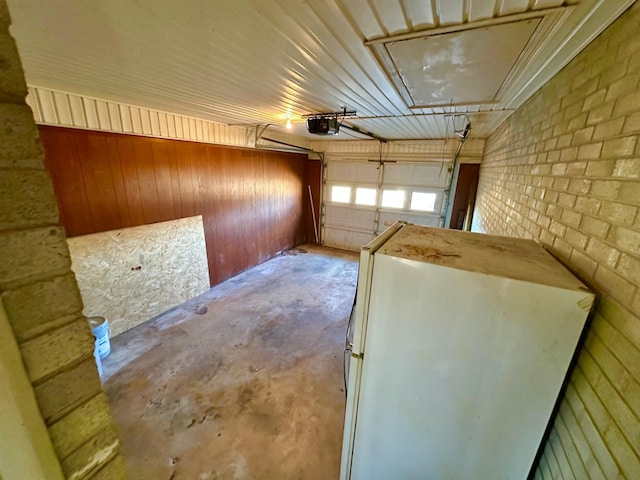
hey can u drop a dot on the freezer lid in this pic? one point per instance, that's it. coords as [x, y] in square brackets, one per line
[514, 258]
[365, 271]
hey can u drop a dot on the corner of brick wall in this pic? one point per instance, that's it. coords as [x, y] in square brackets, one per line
[40, 293]
[565, 169]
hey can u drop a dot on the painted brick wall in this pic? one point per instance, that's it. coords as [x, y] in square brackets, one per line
[565, 169]
[40, 294]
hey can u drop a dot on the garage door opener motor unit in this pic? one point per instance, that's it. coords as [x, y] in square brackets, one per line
[328, 123]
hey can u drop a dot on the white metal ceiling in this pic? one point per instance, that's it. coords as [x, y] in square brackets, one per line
[262, 61]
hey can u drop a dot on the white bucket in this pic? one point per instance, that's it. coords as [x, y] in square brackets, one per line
[96, 355]
[100, 329]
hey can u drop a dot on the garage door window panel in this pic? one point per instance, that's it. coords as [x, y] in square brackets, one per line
[393, 199]
[340, 194]
[367, 196]
[423, 201]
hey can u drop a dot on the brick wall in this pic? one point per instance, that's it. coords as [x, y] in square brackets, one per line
[565, 169]
[40, 294]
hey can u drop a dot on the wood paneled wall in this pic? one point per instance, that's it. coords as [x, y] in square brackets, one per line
[254, 203]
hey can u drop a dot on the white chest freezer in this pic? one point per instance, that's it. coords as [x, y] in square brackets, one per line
[461, 343]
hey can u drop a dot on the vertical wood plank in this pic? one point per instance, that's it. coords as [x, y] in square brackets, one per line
[259, 221]
[147, 180]
[235, 171]
[214, 248]
[174, 174]
[130, 177]
[185, 179]
[225, 202]
[162, 169]
[122, 201]
[61, 159]
[249, 196]
[99, 187]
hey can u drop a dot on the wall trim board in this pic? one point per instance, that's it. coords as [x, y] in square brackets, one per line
[65, 109]
[253, 202]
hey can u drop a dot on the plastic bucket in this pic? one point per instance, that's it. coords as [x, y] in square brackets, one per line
[96, 355]
[100, 329]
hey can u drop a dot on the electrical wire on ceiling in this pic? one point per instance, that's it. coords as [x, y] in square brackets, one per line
[366, 133]
[444, 142]
[460, 130]
[344, 114]
[382, 157]
[352, 136]
[446, 131]
[462, 134]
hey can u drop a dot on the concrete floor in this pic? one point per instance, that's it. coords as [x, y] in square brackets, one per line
[243, 382]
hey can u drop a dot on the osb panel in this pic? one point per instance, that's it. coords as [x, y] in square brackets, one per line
[133, 274]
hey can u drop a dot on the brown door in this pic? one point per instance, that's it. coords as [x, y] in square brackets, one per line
[465, 196]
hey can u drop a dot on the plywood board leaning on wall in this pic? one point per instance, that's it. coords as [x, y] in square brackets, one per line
[133, 274]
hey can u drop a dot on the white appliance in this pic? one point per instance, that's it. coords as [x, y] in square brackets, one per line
[459, 346]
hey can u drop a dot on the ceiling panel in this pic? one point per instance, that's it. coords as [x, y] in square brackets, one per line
[364, 18]
[419, 13]
[450, 11]
[263, 61]
[509, 7]
[538, 4]
[392, 13]
[480, 10]
[465, 67]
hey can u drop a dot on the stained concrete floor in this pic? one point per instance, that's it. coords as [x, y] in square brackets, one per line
[243, 382]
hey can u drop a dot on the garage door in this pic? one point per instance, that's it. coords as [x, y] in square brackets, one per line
[362, 198]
